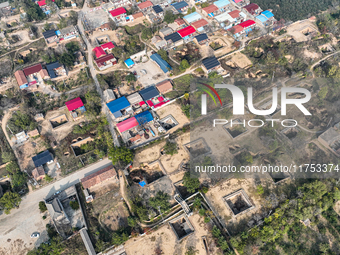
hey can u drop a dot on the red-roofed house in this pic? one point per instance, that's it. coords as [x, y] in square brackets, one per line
[74, 104]
[248, 24]
[127, 124]
[21, 79]
[144, 6]
[186, 32]
[242, 2]
[234, 14]
[180, 22]
[253, 9]
[236, 30]
[105, 174]
[38, 173]
[210, 10]
[199, 23]
[118, 15]
[107, 46]
[105, 62]
[99, 52]
[32, 70]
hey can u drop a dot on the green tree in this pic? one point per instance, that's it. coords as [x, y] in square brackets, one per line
[163, 54]
[169, 17]
[9, 201]
[72, 47]
[42, 206]
[131, 221]
[184, 65]
[74, 205]
[146, 33]
[7, 156]
[67, 59]
[260, 190]
[48, 178]
[130, 77]
[160, 201]
[170, 148]
[18, 180]
[120, 155]
[191, 183]
[12, 167]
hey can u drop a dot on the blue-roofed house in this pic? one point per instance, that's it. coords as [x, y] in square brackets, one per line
[192, 17]
[144, 117]
[269, 15]
[223, 5]
[119, 107]
[129, 63]
[263, 19]
[161, 62]
[181, 7]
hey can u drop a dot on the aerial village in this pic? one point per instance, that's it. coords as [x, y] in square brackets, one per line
[97, 131]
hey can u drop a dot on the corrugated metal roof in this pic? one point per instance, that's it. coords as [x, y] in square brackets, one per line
[262, 18]
[117, 11]
[201, 37]
[98, 51]
[268, 14]
[148, 93]
[161, 63]
[179, 5]
[236, 29]
[127, 124]
[210, 63]
[74, 104]
[108, 45]
[186, 31]
[118, 104]
[221, 3]
[145, 4]
[157, 9]
[210, 9]
[174, 37]
[234, 14]
[49, 33]
[247, 23]
[144, 117]
[20, 77]
[199, 23]
[251, 8]
[223, 17]
[134, 98]
[192, 17]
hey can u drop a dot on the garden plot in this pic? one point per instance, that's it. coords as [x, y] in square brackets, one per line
[82, 146]
[58, 121]
[164, 238]
[149, 173]
[241, 60]
[197, 148]
[181, 226]
[217, 197]
[172, 163]
[238, 202]
[235, 130]
[173, 114]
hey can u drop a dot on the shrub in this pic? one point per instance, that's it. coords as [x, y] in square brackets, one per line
[74, 205]
[42, 206]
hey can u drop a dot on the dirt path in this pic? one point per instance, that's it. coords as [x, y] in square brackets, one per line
[312, 67]
[123, 190]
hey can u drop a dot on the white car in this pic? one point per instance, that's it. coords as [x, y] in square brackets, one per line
[35, 235]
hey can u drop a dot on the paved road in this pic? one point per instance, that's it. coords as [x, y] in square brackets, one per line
[22, 222]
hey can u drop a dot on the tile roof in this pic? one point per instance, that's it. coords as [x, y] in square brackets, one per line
[137, 15]
[186, 31]
[42, 158]
[100, 61]
[236, 29]
[251, 8]
[118, 11]
[38, 172]
[179, 21]
[145, 4]
[247, 23]
[210, 63]
[199, 23]
[98, 177]
[43, 73]
[98, 51]
[32, 69]
[234, 14]
[20, 77]
[210, 9]
[50, 69]
[164, 86]
[74, 104]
